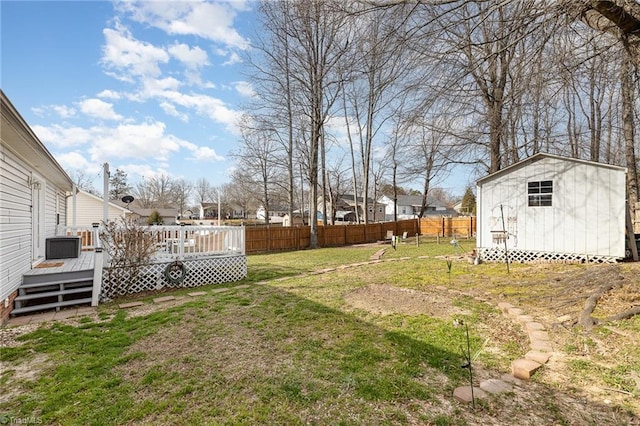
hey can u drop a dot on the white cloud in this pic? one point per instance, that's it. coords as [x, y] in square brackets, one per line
[98, 108]
[245, 88]
[109, 94]
[212, 21]
[64, 111]
[206, 154]
[234, 58]
[147, 140]
[63, 137]
[126, 58]
[75, 160]
[207, 106]
[137, 172]
[171, 110]
[192, 58]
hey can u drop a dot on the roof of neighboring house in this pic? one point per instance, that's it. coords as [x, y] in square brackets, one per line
[341, 214]
[20, 138]
[163, 212]
[416, 201]
[349, 199]
[540, 156]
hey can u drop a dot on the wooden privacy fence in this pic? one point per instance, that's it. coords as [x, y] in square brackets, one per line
[266, 238]
[461, 226]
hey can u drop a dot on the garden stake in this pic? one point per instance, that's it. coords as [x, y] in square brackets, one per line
[467, 356]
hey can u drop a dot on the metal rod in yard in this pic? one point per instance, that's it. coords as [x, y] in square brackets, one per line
[504, 234]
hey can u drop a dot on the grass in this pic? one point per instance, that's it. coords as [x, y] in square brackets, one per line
[293, 351]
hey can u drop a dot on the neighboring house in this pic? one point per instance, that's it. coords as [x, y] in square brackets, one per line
[210, 211]
[552, 207]
[409, 207]
[169, 216]
[32, 200]
[347, 203]
[89, 209]
[276, 213]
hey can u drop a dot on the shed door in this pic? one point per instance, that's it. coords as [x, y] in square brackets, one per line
[37, 218]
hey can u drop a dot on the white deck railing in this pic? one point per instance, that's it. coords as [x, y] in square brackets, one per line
[176, 242]
[88, 235]
[183, 242]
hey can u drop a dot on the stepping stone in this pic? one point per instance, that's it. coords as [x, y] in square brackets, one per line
[243, 286]
[539, 357]
[130, 305]
[504, 307]
[463, 394]
[66, 313]
[523, 319]
[22, 320]
[163, 299]
[510, 379]
[541, 346]
[495, 386]
[524, 368]
[87, 310]
[539, 335]
[220, 290]
[515, 312]
[197, 293]
[531, 326]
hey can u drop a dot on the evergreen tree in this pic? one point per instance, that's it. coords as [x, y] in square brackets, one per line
[118, 186]
[468, 202]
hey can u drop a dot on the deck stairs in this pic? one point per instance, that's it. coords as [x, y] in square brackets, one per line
[48, 291]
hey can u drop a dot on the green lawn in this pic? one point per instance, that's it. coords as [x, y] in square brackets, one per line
[291, 350]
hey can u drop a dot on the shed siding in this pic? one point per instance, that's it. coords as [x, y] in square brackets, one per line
[586, 216]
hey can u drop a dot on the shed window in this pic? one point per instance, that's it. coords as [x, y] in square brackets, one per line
[540, 193]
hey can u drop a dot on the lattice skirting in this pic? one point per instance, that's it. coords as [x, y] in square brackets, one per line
[199, 272]
[525, 256]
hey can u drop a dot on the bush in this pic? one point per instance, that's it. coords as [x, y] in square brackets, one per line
[154, 218]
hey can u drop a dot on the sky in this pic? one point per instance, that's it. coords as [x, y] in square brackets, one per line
[150, 87]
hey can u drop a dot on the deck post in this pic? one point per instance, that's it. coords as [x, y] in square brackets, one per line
[97, 276]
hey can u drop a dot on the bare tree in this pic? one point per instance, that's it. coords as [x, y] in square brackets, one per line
[317, 36]
[182, 190]
[83, 181]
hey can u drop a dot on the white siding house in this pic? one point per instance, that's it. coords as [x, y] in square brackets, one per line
[409, 207]
[33, 188]
[89, 209]
[554, 208]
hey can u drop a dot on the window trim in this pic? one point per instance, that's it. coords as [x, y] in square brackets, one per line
[540, 193]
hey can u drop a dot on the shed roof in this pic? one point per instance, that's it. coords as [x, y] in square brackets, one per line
[540, 156]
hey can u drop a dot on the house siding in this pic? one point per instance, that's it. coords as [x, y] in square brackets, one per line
[586, 216]
[15, 219]
[89, 210]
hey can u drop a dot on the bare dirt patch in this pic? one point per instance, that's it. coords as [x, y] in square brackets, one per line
[388, 300]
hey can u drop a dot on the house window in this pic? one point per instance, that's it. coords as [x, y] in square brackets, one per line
[540, 193]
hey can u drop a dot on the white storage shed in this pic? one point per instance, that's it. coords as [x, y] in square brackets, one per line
[552, 208]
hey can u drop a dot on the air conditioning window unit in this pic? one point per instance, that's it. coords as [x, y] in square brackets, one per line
[63, 247]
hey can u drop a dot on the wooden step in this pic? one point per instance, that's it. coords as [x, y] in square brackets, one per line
[49, 306]
[32, 296]
[55, 282]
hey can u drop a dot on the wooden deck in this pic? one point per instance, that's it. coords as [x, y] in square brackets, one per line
[82, 263]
